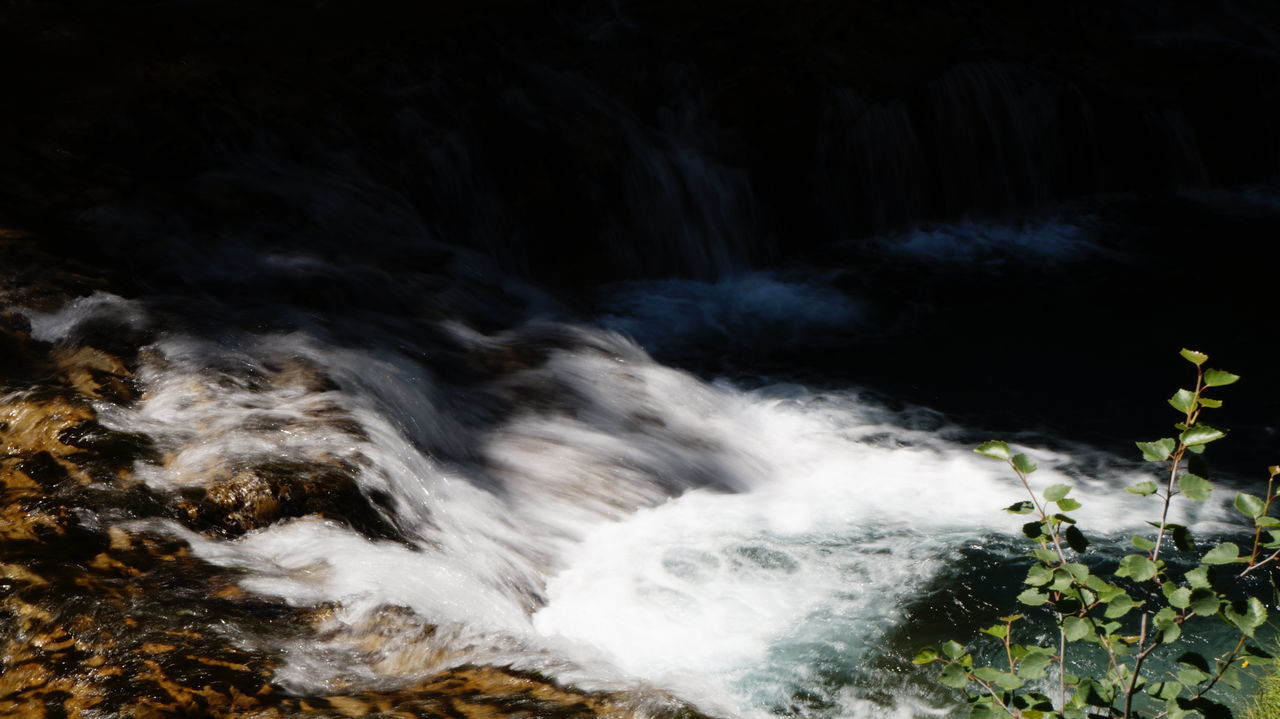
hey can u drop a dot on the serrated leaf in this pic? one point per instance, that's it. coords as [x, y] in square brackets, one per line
[1198, 577]
[1119, 606]
[1164, 691]
[1075, 628]
[1137, 567]
[926, 656]
[1210, 403]
[1144, 488]
[1068, 504]
[1182, 538]
[1004, 680]
[1038, 575]
[994, 449]
[1023, 507]
[1252, 616]
[1180, 597]
[1076, 539]
[1045, 555]
[1183, 400]
[954, 676]
[1201, 434]
[1024, 464]
[996, 630]
[1033, 597]
[1157, 451]
[1219, 378]
[1204, 602]
[1195, 486]
[1224, 553]
[1191, 677]
[1054, 492]
[1195, 358]
[1142, 543]
[1034, 665]
[952, 648]
[1249, 505]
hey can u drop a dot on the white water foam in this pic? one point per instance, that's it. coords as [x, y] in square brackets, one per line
[624, 525]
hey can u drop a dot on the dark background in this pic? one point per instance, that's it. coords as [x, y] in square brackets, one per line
[527, 131]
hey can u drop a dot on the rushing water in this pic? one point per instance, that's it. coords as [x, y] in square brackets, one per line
[560, 501]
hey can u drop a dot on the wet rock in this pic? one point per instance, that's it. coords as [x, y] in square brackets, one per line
[265, 494]
[95, 373]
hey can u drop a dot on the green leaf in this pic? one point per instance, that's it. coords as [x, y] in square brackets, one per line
[1201, 434]
[1038, 575]
[1143, 488]
[994, 449]
[1249, 505]
[1157, 451]
[1250, 617]
[1183, 400]
[996, 630]
[1182, 538]
[1054, 492]
[1210, 403]
[1034, 665]
[1142, 543]
[1004, 680]
[1195, 486]
[1034, 598]
[1023, 507]
[954, 676]
[1180, 597]
[1191, 677]
[1076, 539]
[1024, 464]
[927, 655]
[952, 648]
[1198, 577]
[1068, 504]
[1119, 606]
[1045, 555]
[1075, 628]
[1195, 358]
[1137, 567]
[1224, 553]
[1164, 691]
[1219, 378]
[1204, 602]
